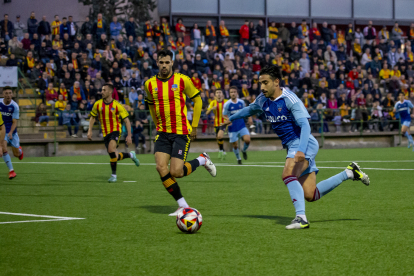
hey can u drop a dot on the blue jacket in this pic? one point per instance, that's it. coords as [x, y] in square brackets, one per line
[115, 28]
[81, 92]
[64, 29]
[130, 29]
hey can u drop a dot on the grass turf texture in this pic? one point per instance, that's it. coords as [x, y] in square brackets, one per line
[355, 230]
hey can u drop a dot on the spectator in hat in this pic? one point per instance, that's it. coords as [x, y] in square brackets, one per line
[18, 28]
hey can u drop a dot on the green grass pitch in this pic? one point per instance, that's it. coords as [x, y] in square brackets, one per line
[125, 230]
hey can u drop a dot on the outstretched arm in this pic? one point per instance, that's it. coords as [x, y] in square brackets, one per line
[243, 113]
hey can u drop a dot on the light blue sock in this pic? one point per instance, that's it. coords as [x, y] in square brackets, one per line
[7, 160]
[409, 137]
[246, 146]
[296, 194]
[329, 184]
[236, 152]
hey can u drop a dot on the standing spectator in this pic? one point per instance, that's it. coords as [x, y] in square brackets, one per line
[86, 27]
[64, 28]
[304, 32]
[179, 28]
[244, 32]
[55, 26]
[294, 32]
[130, 27]
[196, 36]
[370, 33]
[326, 33]
[148, 32]
[396, 35]
[224, 33]
[284, 33]
[315, 33]
[157, 32]
[6, 28]
[44, 28]
[73, 28]
[273, 32]
[349, 38]
[99, 27]
[210, 33]
[115, 28]
[165, 29]
[18, 28]
[32, 25]
[384, 34]
[261, 32]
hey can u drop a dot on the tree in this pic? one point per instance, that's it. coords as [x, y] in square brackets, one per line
[139, 9]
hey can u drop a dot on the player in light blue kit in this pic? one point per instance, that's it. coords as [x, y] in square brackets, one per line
[237, 129]
[289, 119]
[9, 109]
[402, 108]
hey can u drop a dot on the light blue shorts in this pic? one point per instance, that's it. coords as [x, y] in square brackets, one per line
[14, 142]
[406, 123]
[234, 136]
[310, 155]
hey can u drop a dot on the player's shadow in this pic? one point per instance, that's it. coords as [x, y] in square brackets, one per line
[330, 220]
[279, 219]
[156, 209]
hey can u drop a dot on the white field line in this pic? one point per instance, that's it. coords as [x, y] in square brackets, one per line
[129, 181]
[229, 165]
[52, 218]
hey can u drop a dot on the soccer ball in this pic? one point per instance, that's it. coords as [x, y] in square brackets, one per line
[189, 220]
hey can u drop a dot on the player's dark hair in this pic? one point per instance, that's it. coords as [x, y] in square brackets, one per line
[165, 53]
[234, 87]
[110, 86]
[64, 18]
[7, 88]
[219, 89]
[272, 71]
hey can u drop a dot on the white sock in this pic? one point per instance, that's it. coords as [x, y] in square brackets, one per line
[221, 150]
[349, 173]
[130, 155]
[182, 203]
[20, 152]
[114, 175]
[303, 217]
[201, 160]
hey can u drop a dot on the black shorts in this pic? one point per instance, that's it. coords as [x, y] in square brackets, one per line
[223, 128]
[176, 145]
[116, 136]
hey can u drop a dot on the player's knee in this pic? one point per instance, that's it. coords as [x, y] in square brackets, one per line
[177, 173]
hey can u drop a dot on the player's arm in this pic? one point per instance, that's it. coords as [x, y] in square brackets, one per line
[210, 108]
[93, 114]
[248, 111]
[124, 115]
[198, 106]
[301, 117]
[150, 101]
[15, 117]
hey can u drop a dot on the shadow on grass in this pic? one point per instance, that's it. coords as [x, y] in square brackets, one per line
[159, 209]
[284, 220]
[329, 220]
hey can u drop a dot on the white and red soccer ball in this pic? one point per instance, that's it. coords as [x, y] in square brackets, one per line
[189, 220]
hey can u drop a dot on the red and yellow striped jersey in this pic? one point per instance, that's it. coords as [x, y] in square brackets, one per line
[108, 115]
[218, 111]
[169, 99]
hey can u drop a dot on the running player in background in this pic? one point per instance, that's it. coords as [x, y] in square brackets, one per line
[217, 107]
[289, 119]
[402, 108]
[237, 129]
[10, 112]
[166, 95]
[109, 112]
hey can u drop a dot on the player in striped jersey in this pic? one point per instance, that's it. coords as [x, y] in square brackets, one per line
[217, 107]
[110, 112]
[166, 95]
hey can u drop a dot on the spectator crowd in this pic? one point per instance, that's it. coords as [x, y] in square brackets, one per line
[344, 76]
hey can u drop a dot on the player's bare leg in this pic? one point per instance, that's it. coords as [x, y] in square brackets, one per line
[246, 140]
[406, 132]
[220, 142]
[18, 152]
[168, 180]
[7, 160]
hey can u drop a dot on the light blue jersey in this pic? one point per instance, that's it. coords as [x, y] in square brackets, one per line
[289, 119]
[403, 109]
[231, 108]
[9, 112]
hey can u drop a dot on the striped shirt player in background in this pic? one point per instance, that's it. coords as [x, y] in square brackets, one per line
[237, 129]
[289, 119]
[166, 96]
[217, 107]
[10, 112]
[402, 110]
[109, 113]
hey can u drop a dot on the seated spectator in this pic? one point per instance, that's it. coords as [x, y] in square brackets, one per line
[76, 90]
[51, 95]
[41, 115]
[366, 59]
[69, 119]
